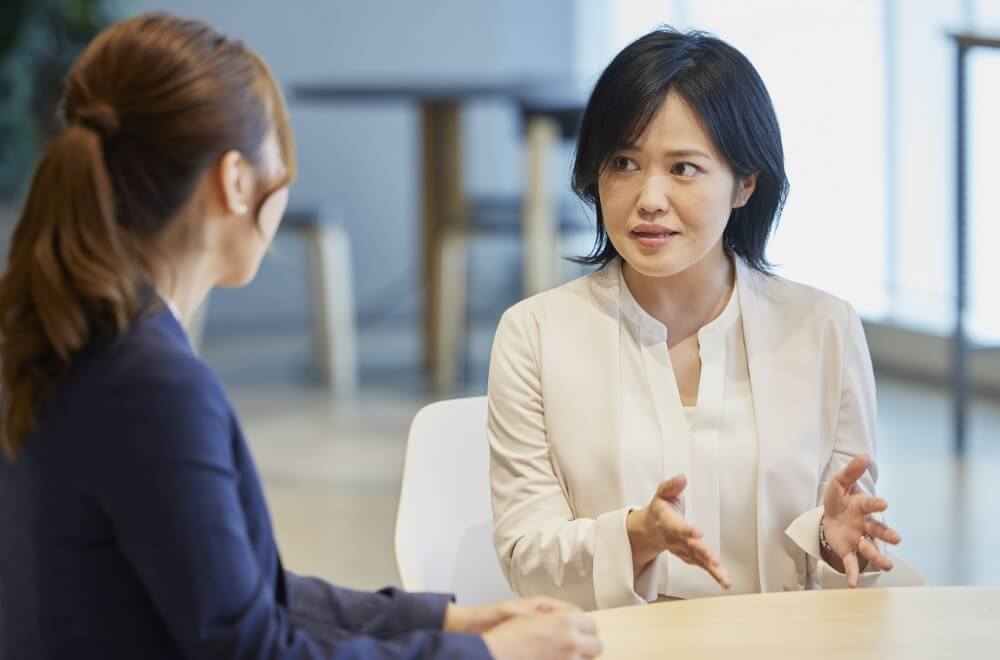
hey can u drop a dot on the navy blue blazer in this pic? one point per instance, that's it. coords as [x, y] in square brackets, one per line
[133, 525]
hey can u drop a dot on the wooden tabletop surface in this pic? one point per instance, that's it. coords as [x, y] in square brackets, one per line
[883, 624]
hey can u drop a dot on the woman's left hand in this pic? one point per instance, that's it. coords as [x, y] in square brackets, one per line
[847, 524]
[477, 620]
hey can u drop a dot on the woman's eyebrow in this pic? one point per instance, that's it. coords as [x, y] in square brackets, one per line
[670, 153]
[686, 153]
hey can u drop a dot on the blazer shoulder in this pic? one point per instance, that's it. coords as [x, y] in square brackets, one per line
[569, 302]
[789, 295]
[144, 394]
[151, 360]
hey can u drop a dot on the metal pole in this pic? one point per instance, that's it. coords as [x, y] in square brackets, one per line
[959, 382]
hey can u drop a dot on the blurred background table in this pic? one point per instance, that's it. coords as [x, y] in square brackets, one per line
[883, 624]
[549, 108]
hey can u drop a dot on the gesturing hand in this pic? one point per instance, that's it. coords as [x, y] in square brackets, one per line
[847, 525]
[661, 526]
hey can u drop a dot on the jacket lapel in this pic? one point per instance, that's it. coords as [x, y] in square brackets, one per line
[766, 334]
[588, 429]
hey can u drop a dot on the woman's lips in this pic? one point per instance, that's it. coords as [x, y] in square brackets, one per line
[652, 237]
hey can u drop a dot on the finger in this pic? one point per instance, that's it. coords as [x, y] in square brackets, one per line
[673, 525]
[851, 568]
[678, 527]
[672, 487]
[718, 572]
[512, 608]
[703, 553]
[853, 470]
[545, 605]
[873, 505]
[582, 623]
[868, 550]
[708, 560]
[879, 530]
[721, 575]
[587, 644]
[524, 607]
[693, 559]
[685, 556]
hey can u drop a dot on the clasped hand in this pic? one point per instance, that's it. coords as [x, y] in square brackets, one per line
[528, 629]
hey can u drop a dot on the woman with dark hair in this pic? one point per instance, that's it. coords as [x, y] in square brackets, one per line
[682, 422]
[132, 521]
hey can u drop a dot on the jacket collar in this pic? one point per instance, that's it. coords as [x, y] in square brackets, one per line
[612, 293]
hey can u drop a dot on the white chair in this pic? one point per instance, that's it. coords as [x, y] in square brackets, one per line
[444, 528]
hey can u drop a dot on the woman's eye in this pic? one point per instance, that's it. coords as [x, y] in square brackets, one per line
[624, 164]
[684, 169]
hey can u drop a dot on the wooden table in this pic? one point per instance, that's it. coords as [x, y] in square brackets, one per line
[880, 624]
[443, 193]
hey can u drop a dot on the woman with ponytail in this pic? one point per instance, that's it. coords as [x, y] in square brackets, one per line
[132, 520]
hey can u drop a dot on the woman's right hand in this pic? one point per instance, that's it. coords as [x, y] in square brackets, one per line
[661, 527]
[547, 636]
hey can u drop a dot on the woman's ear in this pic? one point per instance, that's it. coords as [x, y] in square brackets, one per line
[744, 190]
[236, 182]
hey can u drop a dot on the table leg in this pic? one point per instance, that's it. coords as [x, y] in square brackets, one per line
[443, 204]
[540, 224]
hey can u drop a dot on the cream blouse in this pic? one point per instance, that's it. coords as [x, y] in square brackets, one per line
[714, 442]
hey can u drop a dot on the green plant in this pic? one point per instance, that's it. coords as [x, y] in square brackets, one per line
[39, 40]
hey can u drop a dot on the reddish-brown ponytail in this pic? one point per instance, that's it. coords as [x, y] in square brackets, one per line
[150, 104]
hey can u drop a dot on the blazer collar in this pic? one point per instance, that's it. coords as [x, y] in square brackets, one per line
[155, 312]
[612, 293]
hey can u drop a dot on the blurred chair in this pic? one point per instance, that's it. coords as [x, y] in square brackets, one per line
[332, 287]
[444, 527]
[538, 219]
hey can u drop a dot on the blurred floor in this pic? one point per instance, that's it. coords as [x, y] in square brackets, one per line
[332, 468]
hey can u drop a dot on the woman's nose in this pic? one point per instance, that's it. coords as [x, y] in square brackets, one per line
[654, 198]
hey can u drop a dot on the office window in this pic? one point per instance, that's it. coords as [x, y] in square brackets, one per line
[864, 91]
[983, 141]
[823, 64]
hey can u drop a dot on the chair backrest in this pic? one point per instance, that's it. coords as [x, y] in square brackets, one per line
[444, 527]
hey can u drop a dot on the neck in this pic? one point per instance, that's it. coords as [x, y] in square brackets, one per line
[688, 300]
[183, 270]
[183, 286]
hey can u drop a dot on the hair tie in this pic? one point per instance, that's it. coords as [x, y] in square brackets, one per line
[100, 118]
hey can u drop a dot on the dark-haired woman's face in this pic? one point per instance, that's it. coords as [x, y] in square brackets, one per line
[666, 199]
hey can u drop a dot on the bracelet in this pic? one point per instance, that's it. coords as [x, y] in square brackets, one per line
[823, 543]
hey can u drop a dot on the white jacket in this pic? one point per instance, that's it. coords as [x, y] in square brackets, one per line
[555, 466]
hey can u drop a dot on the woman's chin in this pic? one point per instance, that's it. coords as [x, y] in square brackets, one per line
[238, 279]
[653, 266]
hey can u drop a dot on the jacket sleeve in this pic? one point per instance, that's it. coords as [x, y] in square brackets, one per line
[544, 549]
[855, 434]
[317, 604]
[169, 483]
